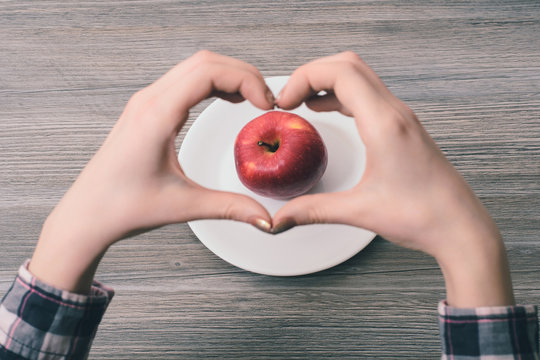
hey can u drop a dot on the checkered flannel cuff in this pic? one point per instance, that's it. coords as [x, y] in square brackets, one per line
[39, 321]
[495, 333]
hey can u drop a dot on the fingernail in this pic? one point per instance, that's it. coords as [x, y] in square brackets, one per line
[270, 97]
[279, 95]
[262, 225]
[283, 226]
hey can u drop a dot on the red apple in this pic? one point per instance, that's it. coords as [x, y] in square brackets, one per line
[279, 155]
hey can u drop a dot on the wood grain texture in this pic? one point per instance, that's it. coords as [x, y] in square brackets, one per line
[470, 70]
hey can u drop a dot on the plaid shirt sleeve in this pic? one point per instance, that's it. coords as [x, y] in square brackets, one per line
[38, 321]
[495, 333]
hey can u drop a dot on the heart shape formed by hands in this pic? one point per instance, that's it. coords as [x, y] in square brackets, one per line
[214, 165]
[303, 250]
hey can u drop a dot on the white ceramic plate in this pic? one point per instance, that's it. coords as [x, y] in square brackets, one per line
[206, 155]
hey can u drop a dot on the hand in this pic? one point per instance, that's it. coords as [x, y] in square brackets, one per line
[135, 183]
[409, 193]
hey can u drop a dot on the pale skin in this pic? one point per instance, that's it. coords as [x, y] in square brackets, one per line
[134, 183]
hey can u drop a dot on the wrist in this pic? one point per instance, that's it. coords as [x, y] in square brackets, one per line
[67, 254]
[476, 269]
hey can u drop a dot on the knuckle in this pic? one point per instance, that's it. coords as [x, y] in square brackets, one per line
[136, 102]
[253, 71]
[353, 60]
[203, 56]
[407, 111]
[142, 108]
[316, 215]
[137, 98]
[229, 212]
[398, 125]
[349, 55]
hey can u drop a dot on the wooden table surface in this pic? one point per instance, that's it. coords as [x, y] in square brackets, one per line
[470, 70]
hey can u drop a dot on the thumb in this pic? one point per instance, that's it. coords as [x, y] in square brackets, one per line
[335, 208]
[213, 204]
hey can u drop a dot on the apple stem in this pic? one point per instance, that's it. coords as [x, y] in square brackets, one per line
[271, 148]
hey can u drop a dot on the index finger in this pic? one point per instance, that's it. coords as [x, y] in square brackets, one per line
[200, 58]
[355, 86]
[203, 75]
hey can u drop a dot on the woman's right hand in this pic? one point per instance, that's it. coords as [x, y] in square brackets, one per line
[410, 193]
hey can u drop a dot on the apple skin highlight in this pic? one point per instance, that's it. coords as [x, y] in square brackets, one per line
[279, 155]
